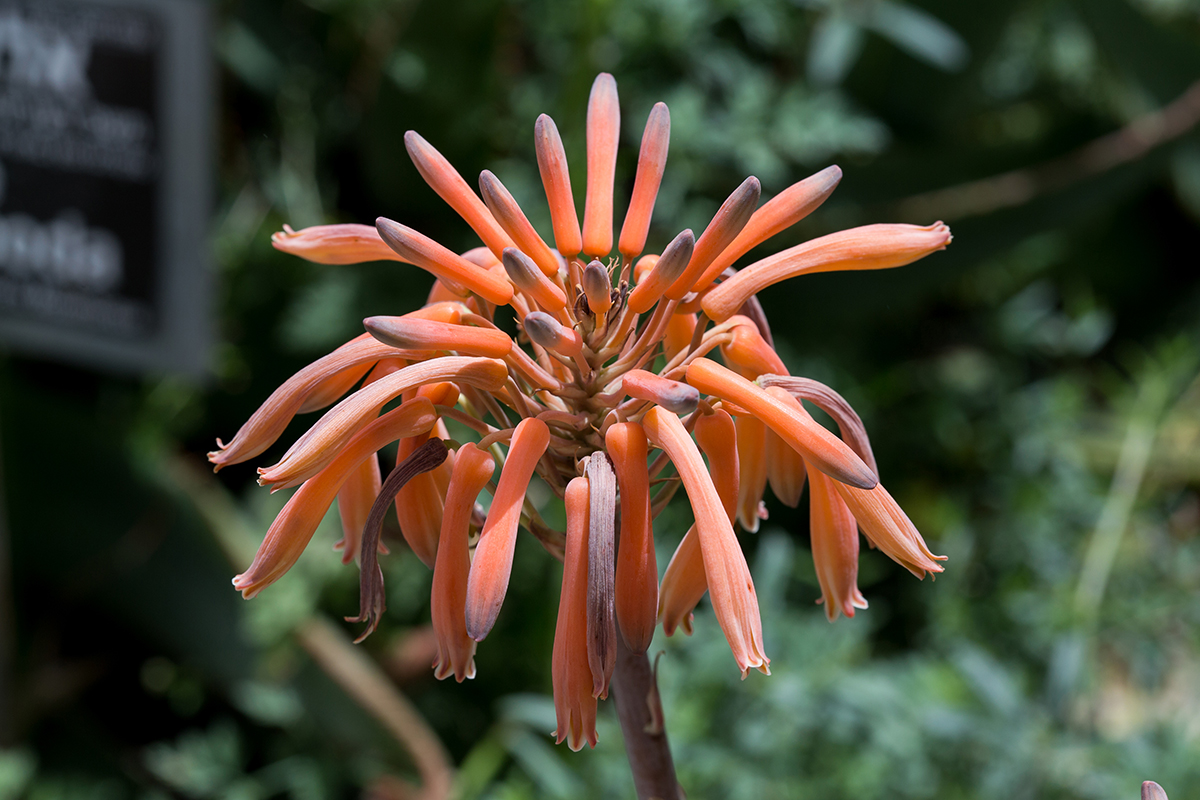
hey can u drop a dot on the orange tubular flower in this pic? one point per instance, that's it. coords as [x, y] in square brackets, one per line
[726, 224]
[785, 467]
[294, 526]
[611, 351]
[419, 506]
[494, 553]
[362, 486]
[473, 468]
[679, 334]
[752, 457]
[320, 444]
[676, 397]
[868, 247]
[818, 446]
[684, 582]
[637, 571]
[779, 213]
[728, 577]
[335, 244]
[890, 529]
[597, 288]
[574, 702]
[354, 501]
[834, 548]
[652, 161]
[664, 270]
[423, 334]
[603, 130]
[552, 164]
[431, 256]
[510, 216]
[450, 186]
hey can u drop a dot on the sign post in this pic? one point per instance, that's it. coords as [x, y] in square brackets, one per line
[105, 181]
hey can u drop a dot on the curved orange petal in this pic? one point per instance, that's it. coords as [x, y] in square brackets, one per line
[321, 443]
[444, 179]
[834, 548]
[879, 246]
[294, 526]
[889, 528]
[603, 132]
[684, 583]
[780, 212]
[729, 583]
[510, 216]
[652, 161]
[473, 468]
[362, 486]
[819, 447]
[716, 434]
[335, 244]
[637, 570]
[574, 702]
[333, 388]
[494, 554]
[272, 417]
[752, 456]
[726, 224]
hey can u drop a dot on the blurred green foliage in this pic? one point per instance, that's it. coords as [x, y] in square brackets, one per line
[1031, 394]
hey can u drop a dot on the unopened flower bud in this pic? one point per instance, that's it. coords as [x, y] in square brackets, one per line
[667, 269]
[598, 288]
[546, 331]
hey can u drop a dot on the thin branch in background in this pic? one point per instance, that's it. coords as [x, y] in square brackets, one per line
[1019, 186]
[1118, 506]
[331, 648]
[364, 681]
[1148, 414]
